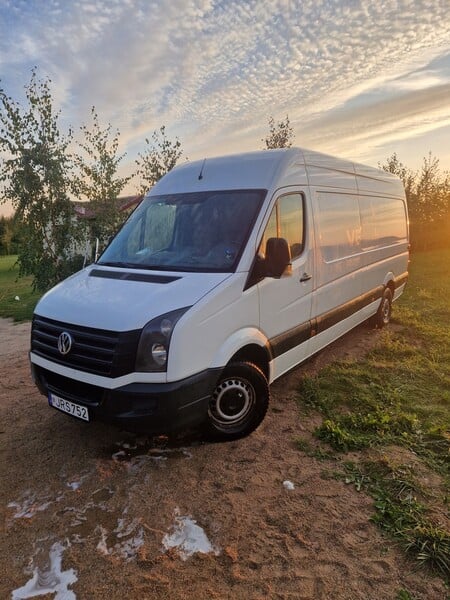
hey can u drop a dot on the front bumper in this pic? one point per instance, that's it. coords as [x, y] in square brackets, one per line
[155, 408]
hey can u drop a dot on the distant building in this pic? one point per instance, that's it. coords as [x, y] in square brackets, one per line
[125, 204]
[88, 211]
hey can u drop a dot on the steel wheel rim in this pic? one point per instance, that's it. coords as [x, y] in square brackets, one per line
[386, 311]
[231, 402]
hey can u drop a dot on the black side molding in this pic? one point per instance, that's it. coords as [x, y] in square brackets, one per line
[301, 333]
[401, 279]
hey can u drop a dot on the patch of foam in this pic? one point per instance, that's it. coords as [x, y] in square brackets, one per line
[76, 483]
[49, 581]
[129, 446]
[119, 455]
[102, 546]
[288, 485]
[130, 536]
[29, 505]
[129, 548]
[188, 538]
[126, 452]
[125, 529]
[73, 485]
[166, 453]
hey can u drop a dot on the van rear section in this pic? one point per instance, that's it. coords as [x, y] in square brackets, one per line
[231, 272]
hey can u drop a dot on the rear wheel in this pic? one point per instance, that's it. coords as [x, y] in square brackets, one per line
[239, 402]
[383, 314]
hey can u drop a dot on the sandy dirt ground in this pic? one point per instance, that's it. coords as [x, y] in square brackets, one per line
[90, 512]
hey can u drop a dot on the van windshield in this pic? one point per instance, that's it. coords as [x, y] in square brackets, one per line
[198, 231]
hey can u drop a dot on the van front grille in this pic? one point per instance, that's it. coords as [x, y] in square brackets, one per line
[98, 351]
[71, 389]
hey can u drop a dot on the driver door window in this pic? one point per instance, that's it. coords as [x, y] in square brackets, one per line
[286, 221]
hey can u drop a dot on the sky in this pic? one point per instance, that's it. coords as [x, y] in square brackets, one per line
[359, 79]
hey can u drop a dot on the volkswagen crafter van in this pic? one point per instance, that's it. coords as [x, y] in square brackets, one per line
[229, 273]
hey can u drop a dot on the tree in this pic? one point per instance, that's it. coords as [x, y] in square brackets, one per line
[96, 179]
[428, 196]
[408, 177]
[281, 134]
[8, 236]
[3, 228]
[34, 174]
[160, 157]
[432, 192]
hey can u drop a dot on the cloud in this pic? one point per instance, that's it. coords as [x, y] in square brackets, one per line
[349, 74]
[355, 130]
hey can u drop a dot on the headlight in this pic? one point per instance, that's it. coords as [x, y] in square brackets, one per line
[153, 347]
[159, 354]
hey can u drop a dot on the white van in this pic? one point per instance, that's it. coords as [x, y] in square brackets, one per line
[230, 272]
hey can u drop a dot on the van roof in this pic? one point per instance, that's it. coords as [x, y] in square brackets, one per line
[273, 169]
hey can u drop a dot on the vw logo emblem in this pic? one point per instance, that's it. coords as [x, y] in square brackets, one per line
[65, 342]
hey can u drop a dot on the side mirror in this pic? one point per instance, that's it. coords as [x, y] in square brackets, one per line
[278, 257]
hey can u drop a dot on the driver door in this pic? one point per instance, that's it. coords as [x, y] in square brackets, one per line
[286, 303]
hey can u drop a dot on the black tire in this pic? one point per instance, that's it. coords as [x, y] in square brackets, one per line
[239, 402]
[383, 314]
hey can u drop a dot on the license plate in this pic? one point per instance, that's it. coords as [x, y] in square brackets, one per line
[81, 412]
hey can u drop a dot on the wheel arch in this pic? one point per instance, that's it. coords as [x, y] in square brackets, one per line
[389, 282]
[253, 353]
[247, 345]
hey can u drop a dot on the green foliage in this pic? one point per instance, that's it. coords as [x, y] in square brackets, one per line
[315, 451]
[398, 395]
[428, 196]
[39, 173]
[12, 288]
[401, 514]
[363, 429]
[281, 134]
[404, 595]
[400, 392]
[431, 545]
[96, 179]
[34, 175]
[159, 157]
[9, 236]
[431, 202]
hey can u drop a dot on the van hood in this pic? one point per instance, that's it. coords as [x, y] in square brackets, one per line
[122, 299]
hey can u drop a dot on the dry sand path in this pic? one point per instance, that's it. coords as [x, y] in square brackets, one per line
[90, 512]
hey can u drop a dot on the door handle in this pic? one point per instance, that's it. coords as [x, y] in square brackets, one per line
[305, 277]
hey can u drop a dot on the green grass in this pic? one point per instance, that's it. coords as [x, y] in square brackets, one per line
[402, 511]
[404, 595]
[11, 287]
[398, 395]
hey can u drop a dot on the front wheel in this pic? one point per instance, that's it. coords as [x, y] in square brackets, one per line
[383, 314]
[239, 402]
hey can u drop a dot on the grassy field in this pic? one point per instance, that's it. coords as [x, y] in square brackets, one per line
[11, 288]
[386, 417]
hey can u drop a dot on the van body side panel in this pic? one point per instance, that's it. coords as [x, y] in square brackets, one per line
[334, 332]
[384, 240]
[389, 266]
[338, 260]
[202, 337]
